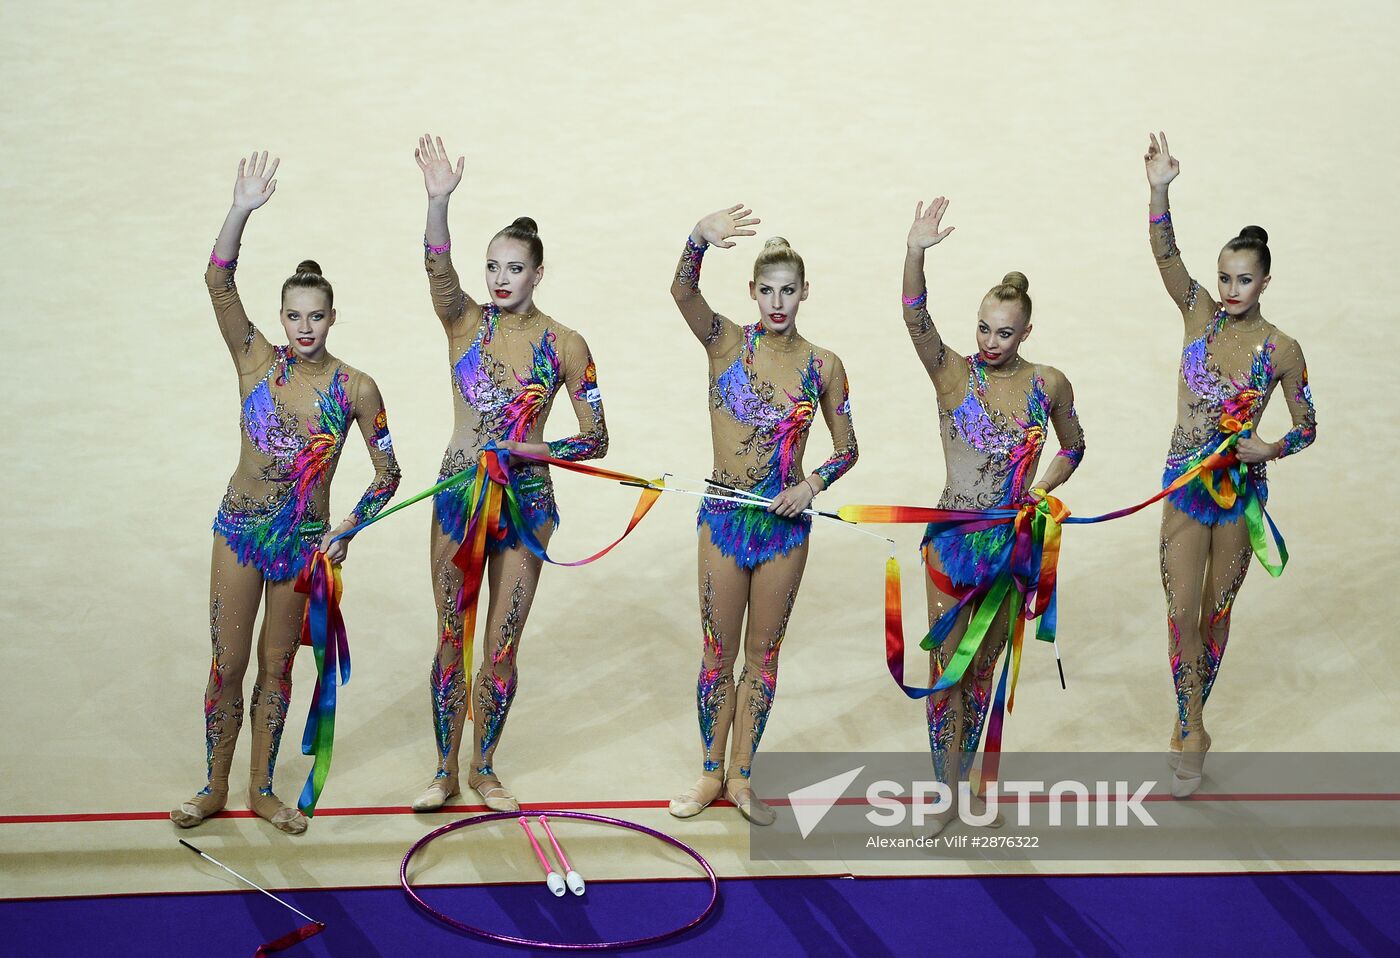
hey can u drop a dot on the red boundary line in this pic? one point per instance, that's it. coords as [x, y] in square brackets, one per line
[327, 812]
[721, 803]
[732, 878]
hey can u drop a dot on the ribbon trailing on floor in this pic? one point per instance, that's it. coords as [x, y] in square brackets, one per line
[1027, 578]
[494, 503]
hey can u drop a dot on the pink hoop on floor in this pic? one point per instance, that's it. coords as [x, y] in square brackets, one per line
[562, 946]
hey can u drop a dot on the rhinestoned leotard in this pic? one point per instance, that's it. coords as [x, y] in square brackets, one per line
[765, 390]
[994, 423]
[1229, 368]
[506, 369]
[296, 415]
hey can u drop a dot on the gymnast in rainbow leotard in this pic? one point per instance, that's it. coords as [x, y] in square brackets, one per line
[767, 384]
[1231, 362]
[298, 403]
[508, 362]
[995, 411]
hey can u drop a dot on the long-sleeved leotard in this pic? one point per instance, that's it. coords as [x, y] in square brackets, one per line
[764, 391]
[1229, 369]
[295, 418]
[994, 424]
[506, 370]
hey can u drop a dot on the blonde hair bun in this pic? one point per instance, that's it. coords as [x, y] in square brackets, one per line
[777, 252]
[1017, 280]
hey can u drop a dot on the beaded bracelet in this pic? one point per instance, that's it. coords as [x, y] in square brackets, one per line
[1164, 217]
[436, 250]
[917, 302]
[222, 263]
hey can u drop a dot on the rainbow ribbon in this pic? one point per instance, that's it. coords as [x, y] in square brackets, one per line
[322, 628]
[1027, 579]
[494, 503]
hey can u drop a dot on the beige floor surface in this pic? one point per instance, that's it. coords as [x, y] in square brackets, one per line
[616, 125]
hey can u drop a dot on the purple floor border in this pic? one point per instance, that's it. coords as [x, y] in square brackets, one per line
[1240, 914]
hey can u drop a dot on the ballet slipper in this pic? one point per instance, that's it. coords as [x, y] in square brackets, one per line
[1174, 747]
[697, 798]
[204, 805]
[1186, 779]
[750, 805]
[437, 794]
[979, 807]
[284, 818]
[494, 795]
[935, 825]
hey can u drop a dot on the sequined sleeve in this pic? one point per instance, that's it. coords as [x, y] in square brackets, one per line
[450, 300]
[581, 382]
[708, 326]
[1188, 294]
[1293, 381]
[1065, 418]
[374, 427]
[251, 351]
[836, 409]
[945, 368]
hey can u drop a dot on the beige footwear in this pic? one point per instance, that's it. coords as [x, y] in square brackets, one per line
[697, 798]
[750, 805]
[436, 795]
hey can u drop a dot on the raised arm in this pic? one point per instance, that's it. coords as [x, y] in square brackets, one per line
[714, 230]
[1068, 431]
[947, 369]
[581, 382]
[254, 186]
[374, 427]
[450, 300]
[1162, 168]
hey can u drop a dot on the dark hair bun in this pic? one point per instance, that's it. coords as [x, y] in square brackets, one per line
[526, 224]
[1016, 279]
[309, 266]
[1255, 233]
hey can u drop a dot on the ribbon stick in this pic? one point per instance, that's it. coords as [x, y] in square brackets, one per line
[313, 927]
